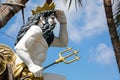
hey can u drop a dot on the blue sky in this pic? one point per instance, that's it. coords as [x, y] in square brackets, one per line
[88, 33]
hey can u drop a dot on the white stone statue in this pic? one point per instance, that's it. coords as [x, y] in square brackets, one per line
[31, 48]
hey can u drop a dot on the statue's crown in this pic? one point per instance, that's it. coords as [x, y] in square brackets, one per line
[45, 7]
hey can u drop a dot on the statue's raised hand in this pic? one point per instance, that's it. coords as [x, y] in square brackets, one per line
[61, 17]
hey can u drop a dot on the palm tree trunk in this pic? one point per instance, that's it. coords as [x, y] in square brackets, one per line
[112, 30]
[7, 11]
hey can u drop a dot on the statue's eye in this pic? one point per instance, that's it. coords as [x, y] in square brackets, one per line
[52, 17]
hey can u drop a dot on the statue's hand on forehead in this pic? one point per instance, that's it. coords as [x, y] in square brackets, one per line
[61, 16]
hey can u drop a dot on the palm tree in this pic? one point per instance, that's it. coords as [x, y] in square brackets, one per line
[113, 25]
[113, 28]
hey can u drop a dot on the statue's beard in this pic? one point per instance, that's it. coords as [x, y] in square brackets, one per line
[51, 21]
[48, 26]
[47, 32]
[44, 20]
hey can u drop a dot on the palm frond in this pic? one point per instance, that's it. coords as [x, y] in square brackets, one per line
[69, 4]
[77, 3]
[116, 15]
[80, 3]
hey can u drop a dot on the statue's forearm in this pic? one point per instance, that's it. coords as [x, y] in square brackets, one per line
[62, 40]
[24, 55]
[63, 35]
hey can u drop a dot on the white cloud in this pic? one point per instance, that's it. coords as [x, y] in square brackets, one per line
[103, 54]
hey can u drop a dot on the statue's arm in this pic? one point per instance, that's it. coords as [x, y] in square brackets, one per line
[25, 56]
[32, 35]
[62, 39]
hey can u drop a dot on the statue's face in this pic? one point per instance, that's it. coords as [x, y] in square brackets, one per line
[51, 19]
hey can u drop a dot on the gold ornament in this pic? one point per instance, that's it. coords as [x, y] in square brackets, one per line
[7, 56]
[45, 7]
[63, 58]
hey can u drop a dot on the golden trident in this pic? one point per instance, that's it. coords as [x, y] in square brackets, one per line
[63, 58]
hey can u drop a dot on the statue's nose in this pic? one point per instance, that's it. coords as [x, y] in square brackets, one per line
[52, 17]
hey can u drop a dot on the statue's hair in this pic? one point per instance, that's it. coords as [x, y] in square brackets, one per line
[33, 20]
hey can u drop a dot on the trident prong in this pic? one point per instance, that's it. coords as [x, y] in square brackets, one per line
[63, 58]
[67, 49]
[68, 62]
